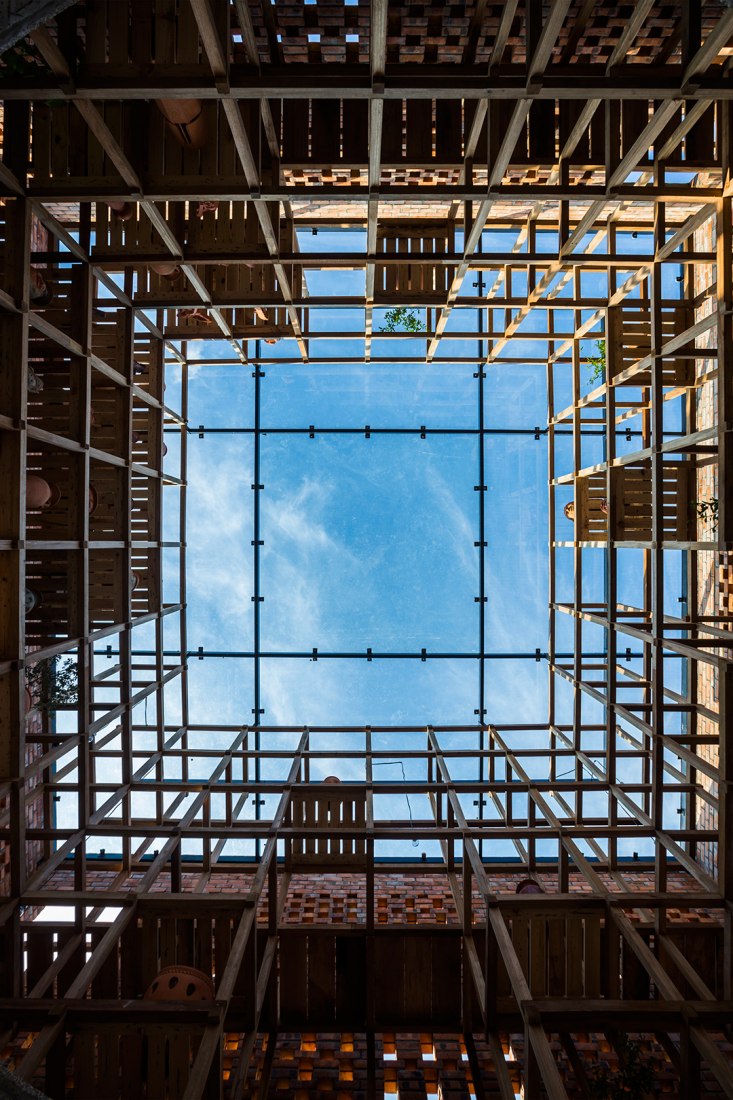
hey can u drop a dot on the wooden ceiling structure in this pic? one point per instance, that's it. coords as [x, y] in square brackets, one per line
[428, 127]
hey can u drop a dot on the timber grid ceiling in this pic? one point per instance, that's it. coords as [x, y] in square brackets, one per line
[439, 122]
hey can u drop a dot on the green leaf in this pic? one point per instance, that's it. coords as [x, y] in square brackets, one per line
[401, 319]
[597, 363]
[54, 684]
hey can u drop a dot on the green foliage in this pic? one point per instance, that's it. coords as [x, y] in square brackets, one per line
[22, 60]
[708, 509]
[401, 319]
[597, 363]
[632, 1080]
[54, 684]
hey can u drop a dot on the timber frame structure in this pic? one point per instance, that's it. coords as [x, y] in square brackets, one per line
[427, 127]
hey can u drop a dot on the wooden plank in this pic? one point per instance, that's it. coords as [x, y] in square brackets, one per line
[445, 963]
[85, 1077]
[556, 956]
[351, 981]
[293, 949]
[419, 130]
[131, 1055]
[325, 131]
[155, 1062]
[295, 131]
[321, 978]
[520, 942]
[179, 1062]
[538, 956]
[574, 956]
[389, 986]
[592, 957]
[418, 975]
[392, 132]
[355, 116]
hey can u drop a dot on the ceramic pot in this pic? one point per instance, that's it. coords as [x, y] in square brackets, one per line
[180, 983]
[185, 120]
[38, 292]
[93, 500]
[40, 493]
[123, 211]
[35, 382]
[195, 316]
[529, 886]
[168, 271]
[33, 599]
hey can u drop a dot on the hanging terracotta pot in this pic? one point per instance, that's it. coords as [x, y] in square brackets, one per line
[123, 211]
[180, 983]
[168, 271]
[40, 493]
[186, 121]
[529, 886]
[195, 316]
[33, 599]
[28, 701]
[93, 500]
[39, 293]
[35, 382]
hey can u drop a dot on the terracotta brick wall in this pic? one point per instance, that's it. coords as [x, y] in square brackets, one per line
[713, 569]
[432, 1066]
[34, 721]
[430, 33]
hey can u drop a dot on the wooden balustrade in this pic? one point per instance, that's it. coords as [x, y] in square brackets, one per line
[343, 807]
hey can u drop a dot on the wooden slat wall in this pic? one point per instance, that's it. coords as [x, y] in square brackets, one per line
[559, 956]
[330, 132]
[324, 978]
[51, 574]
[394, 281]
[629, 330]
[591, 521]
[129, 237]
[55, 408]
[311, 809]
[107, 603]
[632, 501]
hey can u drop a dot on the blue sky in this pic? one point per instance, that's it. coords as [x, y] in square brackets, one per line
[371, 542]
[367, 542]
